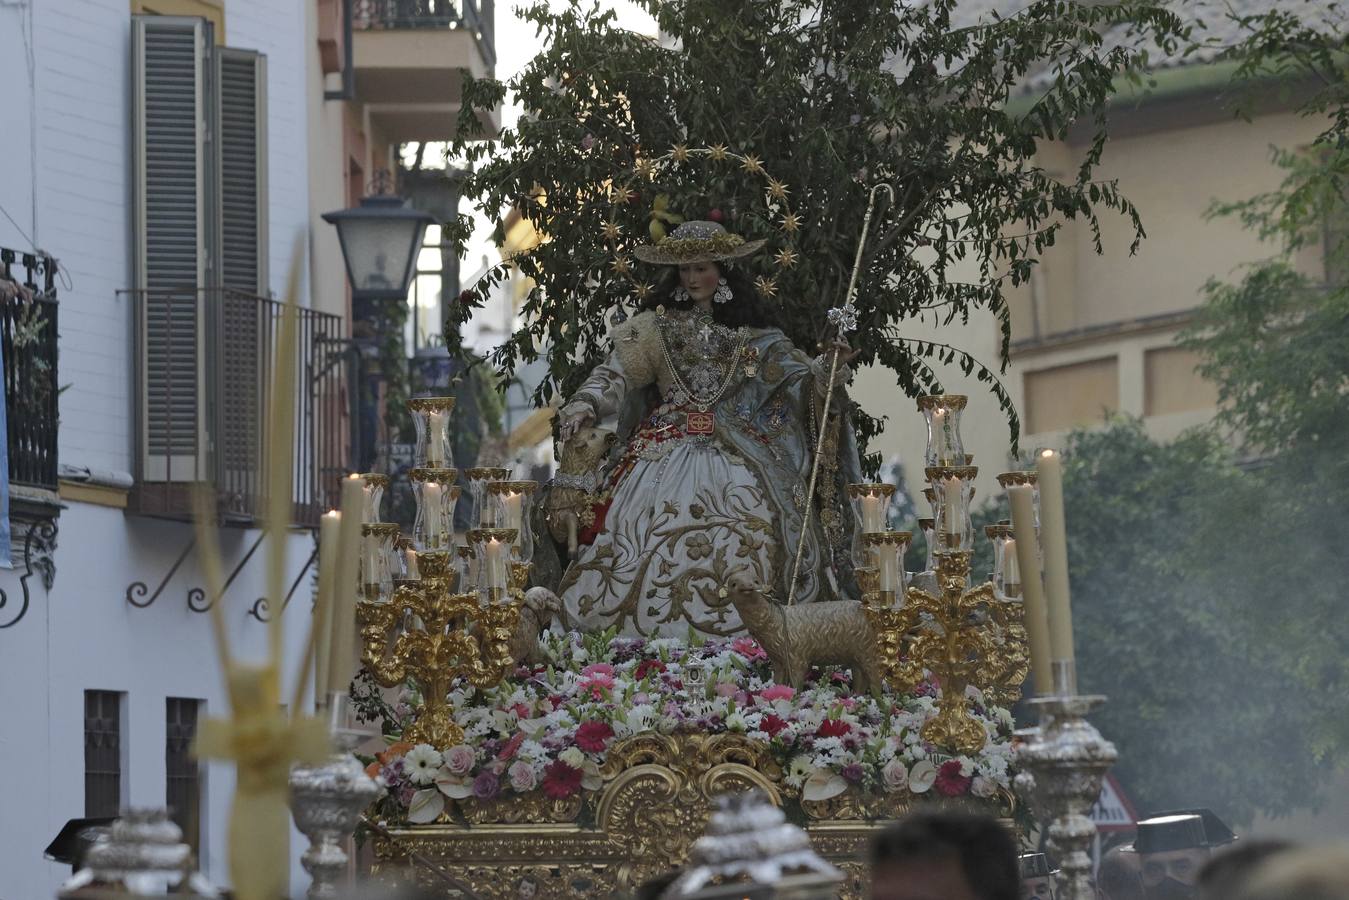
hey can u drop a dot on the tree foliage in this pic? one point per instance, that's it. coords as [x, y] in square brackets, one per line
[1204, 605]
[831, 98]
[1210, 594]
[1276, 341]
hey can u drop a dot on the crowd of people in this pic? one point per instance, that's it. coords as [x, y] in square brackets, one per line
[1177, 855]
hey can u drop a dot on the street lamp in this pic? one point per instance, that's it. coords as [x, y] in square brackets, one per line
[380, 239]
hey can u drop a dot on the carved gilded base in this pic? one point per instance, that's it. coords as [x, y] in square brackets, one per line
[654, 804]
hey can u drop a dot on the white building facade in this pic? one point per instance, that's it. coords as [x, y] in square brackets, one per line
[164, 167]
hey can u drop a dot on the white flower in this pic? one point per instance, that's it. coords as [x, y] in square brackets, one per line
[798, 770]
[736, 722]
[421, 762]
[573, 757]
[966, 766]
[922, 776]
[983, 787]
[426, 806]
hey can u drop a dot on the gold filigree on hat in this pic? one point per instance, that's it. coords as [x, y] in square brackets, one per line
[696, 242]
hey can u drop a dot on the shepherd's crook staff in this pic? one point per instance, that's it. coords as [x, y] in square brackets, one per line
[843, 318]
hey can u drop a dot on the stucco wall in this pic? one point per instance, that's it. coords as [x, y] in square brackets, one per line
[72, 195]
[1173, 174]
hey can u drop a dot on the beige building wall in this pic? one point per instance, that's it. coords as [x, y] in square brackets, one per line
[1095, 333]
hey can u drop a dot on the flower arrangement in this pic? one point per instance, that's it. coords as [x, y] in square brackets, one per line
[548, 728]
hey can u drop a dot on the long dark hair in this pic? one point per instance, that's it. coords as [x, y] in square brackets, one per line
[745, 307]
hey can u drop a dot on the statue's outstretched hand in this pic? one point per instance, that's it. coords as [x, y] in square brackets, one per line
[575, 416]
[846, 353]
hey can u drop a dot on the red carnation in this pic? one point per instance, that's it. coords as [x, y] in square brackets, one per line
[646, 667]
[771, 725]
[560, 780]
[593, 736]
[949, 780]
[833, 728]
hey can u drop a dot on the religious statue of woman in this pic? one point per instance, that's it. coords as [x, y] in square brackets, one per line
[717, 414]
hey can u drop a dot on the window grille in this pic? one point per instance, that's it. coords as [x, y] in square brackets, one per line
[182, 773]
[102, 753]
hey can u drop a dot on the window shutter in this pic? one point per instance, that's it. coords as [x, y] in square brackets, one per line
[173, 169]
[242, 152]
[241, 117]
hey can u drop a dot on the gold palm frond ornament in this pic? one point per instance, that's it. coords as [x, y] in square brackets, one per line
[259, 736]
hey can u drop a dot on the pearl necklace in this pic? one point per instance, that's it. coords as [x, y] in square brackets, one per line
[703, 404]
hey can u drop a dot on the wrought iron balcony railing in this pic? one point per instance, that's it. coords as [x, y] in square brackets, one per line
[207, 359]
[476, 16]
[28, 344]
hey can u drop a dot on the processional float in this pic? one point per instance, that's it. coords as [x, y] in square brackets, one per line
[434, 614]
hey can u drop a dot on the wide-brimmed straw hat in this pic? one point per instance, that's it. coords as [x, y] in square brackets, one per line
[696, 242]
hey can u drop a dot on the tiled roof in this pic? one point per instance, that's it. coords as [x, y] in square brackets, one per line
[1214, 20]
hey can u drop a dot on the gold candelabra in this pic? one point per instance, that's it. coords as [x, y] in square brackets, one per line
[961, 634]
[423, 618]
[432, 634]
[954, 644]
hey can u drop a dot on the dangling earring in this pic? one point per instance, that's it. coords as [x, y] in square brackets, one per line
[680, 295]
[723, 292]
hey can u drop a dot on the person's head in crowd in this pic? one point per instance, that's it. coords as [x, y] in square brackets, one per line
[1173, 846]
[945, 856]
[1037, 878]
[1313, 873]
[1233, 866]
[1117, 878]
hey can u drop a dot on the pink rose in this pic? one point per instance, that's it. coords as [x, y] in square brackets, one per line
[778, 692]
[594, 669]
[459, 760]
[895, 776]
[727, 688]
[522, 777]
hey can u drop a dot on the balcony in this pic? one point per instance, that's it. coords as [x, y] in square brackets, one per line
[28, 344]
[409, 59]
[207, 360]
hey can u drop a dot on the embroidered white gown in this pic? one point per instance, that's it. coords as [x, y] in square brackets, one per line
[701, 489]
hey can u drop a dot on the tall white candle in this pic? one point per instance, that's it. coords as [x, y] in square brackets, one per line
[1032, 592]
[323, 628]
[886, 559]
[343, 657]
[940, 449]
[410, 559]
[1054, 545]
[951, 506]
[1011, 570]
[431, 493]
[435, 438]
[369, 558]
[873, 507]
[495, 553]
